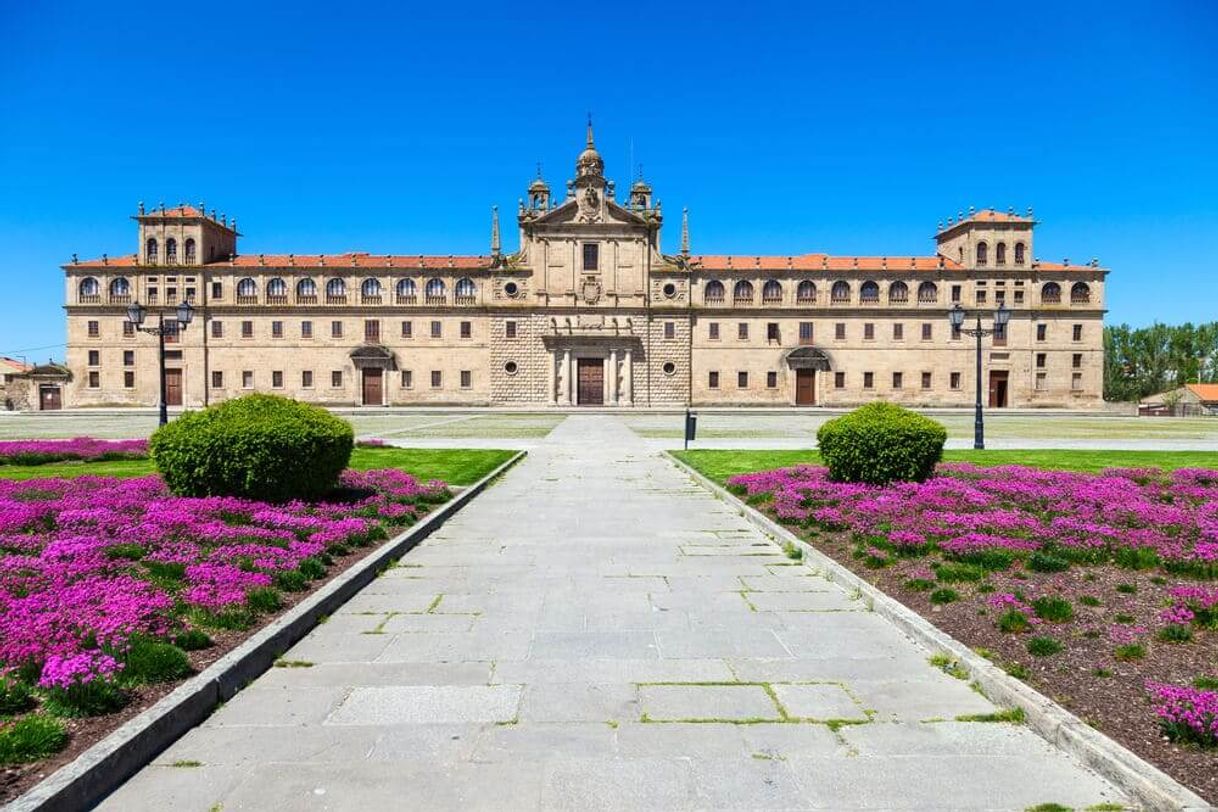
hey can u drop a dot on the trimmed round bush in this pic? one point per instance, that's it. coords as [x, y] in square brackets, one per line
[881, 443]
[260, 447]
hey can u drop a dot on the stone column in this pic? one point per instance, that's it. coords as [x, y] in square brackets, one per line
[613, 377]
[552, 378]
[629, 375]
[566, 378]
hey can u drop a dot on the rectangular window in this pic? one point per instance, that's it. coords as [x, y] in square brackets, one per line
[217, 290]
[171, 296]
[955, 293]
[94, 380]
[1076, 360]
[898, 380]
[1076, 381]
[1078, 332]
[742, 330]
[467, 379]
[276, 329]
[247, 379]
[898, 332]
[336, 329]
[435, 379]
[467, 329]
[1000, 335]
[94, 358]
[172, 334]
[94, 329]
[670, 330]
[217, 380]
[436, 329]
[129, 379]
[713, 380]
[868, 331]
[1040, 381]
[1000, 296]
[805, 332]
[1042, 331]
[217, 329]
[372, 330]
[839, 380]
[306, 329]
[128, 330]
[742, 380]
[277, 379]
[928, 331]
[1041, 358]
[926, 380]
[955, 380]
[247, 329]
[771, 333]
[152, 296]
[407, 329]
[868, 380]
[306, 379]
[128, 358]
[509, 329]
[981, 297]
[336, 379]
[1019, 297]
[839, 331]
[771, 380]
[712, 331]
[407, 379]
[591, 256]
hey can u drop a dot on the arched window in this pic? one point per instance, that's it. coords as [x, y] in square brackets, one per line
[336, 289]
[190, 251]
[247, 289]
[869, 292]
[88, 289]
[928, 292]
[840, 292]
[406, 289]
[1051, 292]
[771, 291]
[171, 251]
[1000, 254]
[277, 289]
[898, 292]
[743, 291]
[714, 292]
[983, 253]
[370, 288]
[806, 292]
[1019, 253]
[466, 289]
[1080, 293]
[306, 289]
[435, 289]
[150, 253]
[120, 290]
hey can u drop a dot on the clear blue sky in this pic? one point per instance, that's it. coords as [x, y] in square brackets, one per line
[784, 128]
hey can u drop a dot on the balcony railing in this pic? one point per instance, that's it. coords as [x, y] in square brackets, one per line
[247, 300]
[307, 299]
[120, 298]
[1051, 298]
[742, 299]
[713, 300]
[90, 298]
[467, 300]
[928, 298]
[898, 298]
[407, 299]
[433, 299]
[332, 298]
[1080, 298]
[772, 299]
[370, 299]
[277, 300]
[806, 299]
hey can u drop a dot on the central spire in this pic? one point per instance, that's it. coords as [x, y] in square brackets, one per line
[590, 163]
[591, 145]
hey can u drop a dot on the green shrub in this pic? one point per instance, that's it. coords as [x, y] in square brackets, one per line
[15, 697]
[1089, 600]
[1175, 633]
[263, 599]
[96, 698]
[312, 568]
[1129, 651]
[881, 443]
[1127, 589]
[31, 738]
[150, 660]
[259, 447]
[192, 640]
[291, 581]
[1053, 609]
[1044, 646]
[945, 595]
[1013, 620]
[919, 584]
[955, 573]
[1041, 561]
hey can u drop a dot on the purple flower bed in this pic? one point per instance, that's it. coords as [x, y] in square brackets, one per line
[38, 452]
[93, 569]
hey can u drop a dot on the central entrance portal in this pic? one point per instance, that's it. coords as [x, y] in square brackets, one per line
[805, 387]
[591, 382]
[373, 377]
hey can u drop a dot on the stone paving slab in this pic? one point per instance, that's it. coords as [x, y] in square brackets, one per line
[542, 648]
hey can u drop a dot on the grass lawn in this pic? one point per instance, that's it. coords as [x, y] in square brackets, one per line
[721, 464]
[462, 466]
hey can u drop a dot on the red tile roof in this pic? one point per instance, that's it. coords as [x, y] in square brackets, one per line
[995, 216]
[821, 262]
[1208, 392]
[342, 261]
[13, 365]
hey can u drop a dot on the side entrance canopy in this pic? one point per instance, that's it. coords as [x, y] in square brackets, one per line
[809, 358]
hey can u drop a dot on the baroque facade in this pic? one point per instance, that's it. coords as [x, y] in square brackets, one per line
[589, 311]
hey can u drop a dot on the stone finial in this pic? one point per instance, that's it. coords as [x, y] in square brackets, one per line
[1095, 262]
[261, 261]
[495, 247]
[884, 263]
[960, 214]
[202, 209]
[1011, 210]
[162, 205]
[223, 219]
[74, 259]
[105, 259]
[1029, 212]
[321, 259]
[611, 186]
[141, 207]
[213, 214]
[291, 259]
[939, 226]
[971, 211]
[685, 232]
[1066, 261]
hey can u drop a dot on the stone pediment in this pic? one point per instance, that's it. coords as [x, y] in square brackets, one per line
[586, 212]
[809, 358]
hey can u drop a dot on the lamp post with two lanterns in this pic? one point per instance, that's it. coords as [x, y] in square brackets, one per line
[1001, 316]
[182, 315]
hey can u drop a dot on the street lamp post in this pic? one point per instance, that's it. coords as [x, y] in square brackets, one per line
[1001, 317]
[182, 316]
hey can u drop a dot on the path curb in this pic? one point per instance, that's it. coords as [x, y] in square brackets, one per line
[1144, 783]
[106, 765]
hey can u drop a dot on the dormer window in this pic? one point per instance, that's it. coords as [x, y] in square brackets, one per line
[150, 251]
[983, 254]
[591, 256]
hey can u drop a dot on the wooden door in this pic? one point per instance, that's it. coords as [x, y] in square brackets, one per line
[173, 387]
[591, 382]
[805, 387]
[999, 381]
[373, 378]
[49, 399]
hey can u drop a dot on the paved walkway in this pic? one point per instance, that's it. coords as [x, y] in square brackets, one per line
[597, 632]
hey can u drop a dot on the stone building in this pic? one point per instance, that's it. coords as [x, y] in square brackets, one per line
[590, 310]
